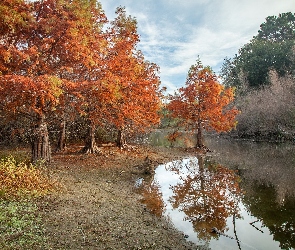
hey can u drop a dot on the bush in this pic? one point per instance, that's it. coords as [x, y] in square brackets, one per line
[21, 180]
[268, 112]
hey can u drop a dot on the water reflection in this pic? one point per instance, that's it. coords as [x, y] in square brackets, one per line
[259, 163]
[207, 194]
[198, 194]
[268, 173]
[152, 196]
[262, 217]
[278, 218]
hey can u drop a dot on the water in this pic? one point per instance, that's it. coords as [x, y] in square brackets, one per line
[246, 190]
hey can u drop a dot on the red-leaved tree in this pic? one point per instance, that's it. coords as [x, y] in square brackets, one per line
[39, 50]
[203, 103]
[136, 80]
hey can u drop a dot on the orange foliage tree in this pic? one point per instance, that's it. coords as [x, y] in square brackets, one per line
[56, 57]
[39, 50]
[121, 91]
[91, 92]
[136, 80]
[203, 103]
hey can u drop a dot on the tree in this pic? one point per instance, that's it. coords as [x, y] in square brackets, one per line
[39, 51]
[93, 90]
[121, 89]
[271, 49]
[203, 103]
[136, 80]
[278, 28]
[230, 73]
[258, 57]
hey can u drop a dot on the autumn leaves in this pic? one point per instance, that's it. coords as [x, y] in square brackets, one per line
[203, 103]
[62, 59]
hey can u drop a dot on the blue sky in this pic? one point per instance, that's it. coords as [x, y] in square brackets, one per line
[174, 32]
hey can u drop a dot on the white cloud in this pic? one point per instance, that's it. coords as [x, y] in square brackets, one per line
[173, 33]
[170, 87]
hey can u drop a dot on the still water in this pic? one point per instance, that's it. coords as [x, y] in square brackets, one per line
[244, 190]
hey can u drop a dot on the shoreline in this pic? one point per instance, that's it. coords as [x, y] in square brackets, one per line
[99, 208]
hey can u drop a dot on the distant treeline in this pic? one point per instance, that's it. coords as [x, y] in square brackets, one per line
[263, 73]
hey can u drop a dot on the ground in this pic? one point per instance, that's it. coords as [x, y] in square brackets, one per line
[98, 207]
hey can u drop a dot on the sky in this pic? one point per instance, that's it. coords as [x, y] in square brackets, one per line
[173, 33]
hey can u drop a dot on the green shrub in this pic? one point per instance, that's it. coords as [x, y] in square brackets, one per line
[20, 226]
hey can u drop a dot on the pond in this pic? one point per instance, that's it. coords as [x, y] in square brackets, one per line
[242, 196]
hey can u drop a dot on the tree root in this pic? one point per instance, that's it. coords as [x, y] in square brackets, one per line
[91, 150]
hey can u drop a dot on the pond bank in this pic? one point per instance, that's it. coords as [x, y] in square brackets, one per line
[98, 207]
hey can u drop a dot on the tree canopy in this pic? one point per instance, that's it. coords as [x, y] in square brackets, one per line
[203, 103]
[271, 49]
[60, 54]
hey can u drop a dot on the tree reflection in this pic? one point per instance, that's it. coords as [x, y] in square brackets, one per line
[279, 218]
[208, 195]
[152, 197]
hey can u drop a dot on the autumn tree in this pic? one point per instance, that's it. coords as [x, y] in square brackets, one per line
[92, 90]
[85, 69]
[136, 80]
[203, 103]
[121, 89]
[48, 40]
[20, 83]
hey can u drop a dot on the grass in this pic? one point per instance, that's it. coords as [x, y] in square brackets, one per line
[20, 184]
[20, 226]
[20, 155]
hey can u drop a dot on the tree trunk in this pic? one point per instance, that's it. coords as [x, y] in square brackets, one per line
[61, 145]
[235, 231]
[90, 144]
[41, 150]
[202, 178]
[199, 136]
[121, 139]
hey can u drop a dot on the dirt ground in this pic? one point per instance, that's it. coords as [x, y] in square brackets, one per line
[97, 206]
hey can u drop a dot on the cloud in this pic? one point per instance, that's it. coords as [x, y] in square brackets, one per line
[173, 33]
